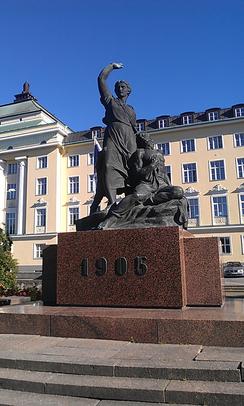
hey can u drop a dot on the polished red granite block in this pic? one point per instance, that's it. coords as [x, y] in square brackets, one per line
[17, 323]
[202, 272]
[158, 281]
[107, 328]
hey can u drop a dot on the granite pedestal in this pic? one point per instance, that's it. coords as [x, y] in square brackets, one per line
[149, 267]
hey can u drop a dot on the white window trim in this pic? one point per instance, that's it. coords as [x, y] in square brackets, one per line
[160, 143]
[237, 174]
[88, 158]
[212, 207]
[11, 210]
[35, 218]
[231, 245]
[239, 108]
[171, 180]
[181, 145]
[88, 183]
[37, 161]
[199, 212]
[68, 161]
[213, 112]
[209, 170]
[73, 176]
[36, 194]
[240, 213]
[68, 213]
[182, 173]
[212, 136]
[34, 251]
[242, 244]
[162, 121]
[188, 118]
[234, 140]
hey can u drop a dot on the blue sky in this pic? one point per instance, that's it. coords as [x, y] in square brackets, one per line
[178, 55]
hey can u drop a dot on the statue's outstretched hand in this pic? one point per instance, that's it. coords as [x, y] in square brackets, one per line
[117, 65]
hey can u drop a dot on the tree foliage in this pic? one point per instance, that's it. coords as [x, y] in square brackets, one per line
[8, 265]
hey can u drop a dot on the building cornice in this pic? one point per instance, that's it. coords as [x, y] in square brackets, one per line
[217, 229]
[33, 236]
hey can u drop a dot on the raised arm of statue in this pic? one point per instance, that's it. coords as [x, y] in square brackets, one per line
[103, 75]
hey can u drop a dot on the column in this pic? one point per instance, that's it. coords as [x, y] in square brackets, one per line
[21, 193]
[2, 192]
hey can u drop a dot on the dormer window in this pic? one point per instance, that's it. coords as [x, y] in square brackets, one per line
[140, 126]
[96, 132]
[213, 115]
[163, 122]
[186, 118]
[239, 112]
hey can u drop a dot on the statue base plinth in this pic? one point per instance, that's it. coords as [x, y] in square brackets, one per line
[149, 267]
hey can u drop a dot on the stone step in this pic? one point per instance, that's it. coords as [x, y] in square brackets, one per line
[95, 387]
[153, 369]
[17, 398]
[205, 393]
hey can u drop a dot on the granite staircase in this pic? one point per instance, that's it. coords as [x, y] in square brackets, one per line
[56, 371]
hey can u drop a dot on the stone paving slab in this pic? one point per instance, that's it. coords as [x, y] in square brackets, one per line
[17, 398]
[221, 354]
[84, 386]
[128, 403]
[207, 393]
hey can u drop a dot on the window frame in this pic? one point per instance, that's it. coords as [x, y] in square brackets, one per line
[91, 182]
[13, 194]
[38, 158]
[37, 217]
[237, 168]
[213, 115]
[182, 172]
[215, 196]
[161, 149]
[72, 223]
[198, 206]
[12, 165]
[211, 179]
[215, 137]
[13, 212]
[69, 184]
[230, 244]
[70, 160]
[235, 143]
[185, 141]
[90, 161]
[241, 110]
[37, 186]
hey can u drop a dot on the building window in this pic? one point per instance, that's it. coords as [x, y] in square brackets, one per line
[91, 184]
[239, 140]
[165, 148]
[193, 212]
[189, 173]
[12, 169]
[239, 112]
[225, 245]
[38, 249]
[242, 205]
[188, 145]
[187, 119]
[96, 133]
[41, 162]
[217, 170]
[213, 115]
[168, 172]
[10, 223]
[240, 167]
[242, 244]
[11, 191]
[40, 217]
[73, 215]
[74, 160]
[162, 123]
[74, 184]
[220, 206]
[215, 142]
[41, 186]
[140, 126]
[91, 158]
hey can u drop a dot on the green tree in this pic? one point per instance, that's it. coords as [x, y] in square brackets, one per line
[8, 265]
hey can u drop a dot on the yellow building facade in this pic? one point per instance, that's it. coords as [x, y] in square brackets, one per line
[47, 174]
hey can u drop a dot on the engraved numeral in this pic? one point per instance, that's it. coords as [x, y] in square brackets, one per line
[101, 265]
[121, 266]
[140, 266]
[84, 267]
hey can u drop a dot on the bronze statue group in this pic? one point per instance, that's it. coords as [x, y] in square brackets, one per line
[128, 164]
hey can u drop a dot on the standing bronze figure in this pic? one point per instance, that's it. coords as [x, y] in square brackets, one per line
[119, 138]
